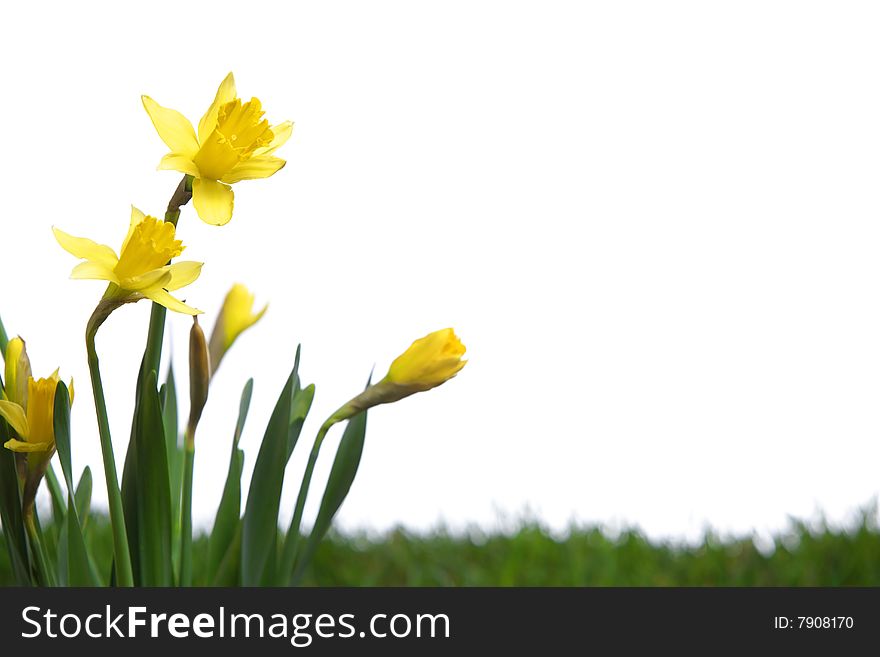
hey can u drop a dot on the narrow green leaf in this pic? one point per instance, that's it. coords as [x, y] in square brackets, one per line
[260, 523]
[302, 403]
[59, 505]
[79, 569]
[230, 567]
[342, 474]
[154, 493]
[226, 523]
[10, 512]
[130, 487]
[84, 496]
[174, 452]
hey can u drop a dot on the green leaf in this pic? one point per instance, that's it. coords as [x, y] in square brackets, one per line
[59, 505]
[84, 496]
[10, 512]
[302, 402]
[129, 489]
[260, 523]
[174, 452]
[226, 523]
[345, 466]
[79, 568]
[228, 573]
[153, 496]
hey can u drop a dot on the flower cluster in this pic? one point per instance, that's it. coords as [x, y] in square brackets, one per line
[151, 510]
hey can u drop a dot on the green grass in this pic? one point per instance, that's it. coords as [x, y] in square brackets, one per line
[530, 556]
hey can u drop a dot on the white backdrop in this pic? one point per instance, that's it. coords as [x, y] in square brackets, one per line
[654, 225]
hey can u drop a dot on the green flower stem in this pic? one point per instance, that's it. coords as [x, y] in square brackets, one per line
[153, 352]
[122, 557]
[46, 575]
[3, 339]
[291, 543]
[186, 510]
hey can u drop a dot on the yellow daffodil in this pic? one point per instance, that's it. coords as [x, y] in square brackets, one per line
[429, 362]
[236, 316]
[29, 410]
[141, 271]
[234, 142]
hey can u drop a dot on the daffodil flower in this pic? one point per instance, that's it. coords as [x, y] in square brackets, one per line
[28, 407]
[429, 362]
[236, 316]
[141, 271]
[233, 143]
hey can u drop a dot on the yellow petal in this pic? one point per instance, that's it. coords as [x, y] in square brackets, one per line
[281, 133]
[182, 274]
[213, 201]
[15, 416]
[18, 371]
[164, 299]
[86, 249]
[225, 93]
[90, 270]
[173, 127]
[155, 279]
[254, 167]
[178, 162]
[19, 446]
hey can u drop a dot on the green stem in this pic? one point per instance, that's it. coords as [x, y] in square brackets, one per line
[186, 511]
[291, 543]
[153, 352]
[122, 557]
[47, 577]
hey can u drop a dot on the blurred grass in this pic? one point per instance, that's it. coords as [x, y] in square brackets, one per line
[813, 554]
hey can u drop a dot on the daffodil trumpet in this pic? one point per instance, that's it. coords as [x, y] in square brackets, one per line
[233, 143]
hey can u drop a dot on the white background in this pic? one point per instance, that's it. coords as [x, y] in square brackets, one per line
[654, 225]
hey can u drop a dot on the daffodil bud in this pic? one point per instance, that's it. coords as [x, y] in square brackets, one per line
[429, 362]
[18, 370]
[199, 376]
[236, 316]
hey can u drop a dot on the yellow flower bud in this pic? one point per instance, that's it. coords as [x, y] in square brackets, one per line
[429, 362]
[18, 370]
[236, 316]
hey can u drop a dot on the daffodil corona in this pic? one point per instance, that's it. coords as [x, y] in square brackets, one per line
[236, 316]
[141, 271]
[234, 142]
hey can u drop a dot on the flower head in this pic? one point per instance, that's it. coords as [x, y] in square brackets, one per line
[30, 415]
[234, 142]
[236, 316]
[429, 362]
[141, 271]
